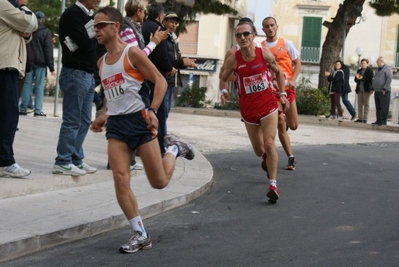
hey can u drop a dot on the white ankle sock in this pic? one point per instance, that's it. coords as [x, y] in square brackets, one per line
[137, 225]
[273, 182]
[173, 149]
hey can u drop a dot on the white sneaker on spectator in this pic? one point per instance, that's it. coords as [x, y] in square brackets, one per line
[13, 171]
[136, 166]
[87, 168]
[68, 169]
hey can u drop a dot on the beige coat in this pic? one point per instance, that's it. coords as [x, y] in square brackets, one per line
[13, 20]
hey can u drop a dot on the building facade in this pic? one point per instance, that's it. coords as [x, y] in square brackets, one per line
[299, 21]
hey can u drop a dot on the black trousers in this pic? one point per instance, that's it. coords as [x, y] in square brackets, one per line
[382, 106]
[9, 114]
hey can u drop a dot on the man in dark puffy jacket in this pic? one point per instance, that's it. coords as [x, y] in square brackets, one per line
[159, 57]
[43, 57]
[170, 22]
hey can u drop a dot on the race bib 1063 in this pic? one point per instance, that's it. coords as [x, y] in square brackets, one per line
[255, 83]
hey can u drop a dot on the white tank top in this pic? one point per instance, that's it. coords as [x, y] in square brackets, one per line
[122, 83]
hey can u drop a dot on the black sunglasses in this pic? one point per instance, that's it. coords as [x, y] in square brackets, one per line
[101, 24]
[239, 34]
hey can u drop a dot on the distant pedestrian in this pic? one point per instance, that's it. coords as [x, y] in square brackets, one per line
[364, 80]
[335, 88]
[382, 91]
[42, 46]
[346, 89]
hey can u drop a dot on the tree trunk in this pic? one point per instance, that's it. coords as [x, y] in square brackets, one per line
[350, 10]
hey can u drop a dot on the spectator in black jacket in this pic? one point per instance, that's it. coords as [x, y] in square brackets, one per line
[170, 22]
[42, 46]
[160, 59]
[335, 88]
[364, 80]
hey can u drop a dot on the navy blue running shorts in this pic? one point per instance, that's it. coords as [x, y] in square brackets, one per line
[130, 128]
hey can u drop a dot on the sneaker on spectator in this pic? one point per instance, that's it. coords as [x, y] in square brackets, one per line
[331, 117]
[136, 166]
[13, 171]
[185, 149]
[353, 116]
[136, 243]
[68, 169]
[272, 194]
[291, 164]
[340, 118]
[87, 168]
[41, 114]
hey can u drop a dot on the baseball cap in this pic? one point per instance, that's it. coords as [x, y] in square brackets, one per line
[171, 15]
[39, 15]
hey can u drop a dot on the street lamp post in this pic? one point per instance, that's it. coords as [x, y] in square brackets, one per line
[344, 34]
[359, 52]
[353, 15]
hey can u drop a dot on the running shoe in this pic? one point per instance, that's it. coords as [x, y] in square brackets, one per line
[331, 117]
[272, 194]
[291, 164]
[185, 149]
[136, 243]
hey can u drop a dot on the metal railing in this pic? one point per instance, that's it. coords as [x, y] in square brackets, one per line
[310, 54]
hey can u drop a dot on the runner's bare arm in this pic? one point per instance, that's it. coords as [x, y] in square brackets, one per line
[150, 72]
[297, 69]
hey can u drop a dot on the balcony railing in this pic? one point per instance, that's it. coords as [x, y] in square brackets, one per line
[310, 54]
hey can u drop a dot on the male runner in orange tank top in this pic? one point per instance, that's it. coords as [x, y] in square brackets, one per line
[287, 57]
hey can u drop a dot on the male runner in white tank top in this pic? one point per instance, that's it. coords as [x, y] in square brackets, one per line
[129, 124]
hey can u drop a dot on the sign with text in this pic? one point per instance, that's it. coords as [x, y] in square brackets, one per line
[204, 64]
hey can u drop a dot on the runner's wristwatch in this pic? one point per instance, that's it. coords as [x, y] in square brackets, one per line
[153, 110]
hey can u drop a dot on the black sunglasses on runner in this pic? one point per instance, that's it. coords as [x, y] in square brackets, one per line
[101, 24]
[246, 34]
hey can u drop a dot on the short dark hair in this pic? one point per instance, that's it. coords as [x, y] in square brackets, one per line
[365, 59]
[113, 14]
[248, 23]
[245, 19]
[155, 10]
[275, 21]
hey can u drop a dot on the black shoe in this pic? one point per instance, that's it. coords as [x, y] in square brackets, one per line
[376, 123]
[358, 120]
[353, 116]
[23, 113]
[41, 114]
[364, 121]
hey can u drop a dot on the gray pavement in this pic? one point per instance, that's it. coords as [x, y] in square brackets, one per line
[44, 210]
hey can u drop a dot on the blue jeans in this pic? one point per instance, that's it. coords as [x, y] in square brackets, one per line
[167, 101]
[347, 104]
[8, 114]
[78, 89]
[39, 73]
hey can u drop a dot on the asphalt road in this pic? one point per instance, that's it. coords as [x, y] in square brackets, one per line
[339, 208]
